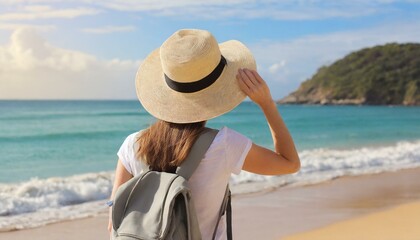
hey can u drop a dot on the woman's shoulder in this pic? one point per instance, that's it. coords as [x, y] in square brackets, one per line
[132, 137]
[229, 132]
[127, 153]
[235, 147]
[130, 143]
[230, 136]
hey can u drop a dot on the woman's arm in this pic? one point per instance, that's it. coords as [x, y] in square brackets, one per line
[261, 160]
[121, 176]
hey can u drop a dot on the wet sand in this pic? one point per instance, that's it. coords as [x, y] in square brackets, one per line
[289, 211]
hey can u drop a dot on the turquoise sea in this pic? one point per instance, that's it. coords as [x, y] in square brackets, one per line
[60, 154]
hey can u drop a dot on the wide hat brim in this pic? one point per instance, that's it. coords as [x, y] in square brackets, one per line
[169, 105]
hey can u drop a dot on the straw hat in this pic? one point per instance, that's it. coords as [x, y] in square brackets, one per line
[191, 77]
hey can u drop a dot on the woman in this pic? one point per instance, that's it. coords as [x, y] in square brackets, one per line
[188, 80]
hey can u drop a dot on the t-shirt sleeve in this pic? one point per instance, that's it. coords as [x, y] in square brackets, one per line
[125, 153]
[237, 148]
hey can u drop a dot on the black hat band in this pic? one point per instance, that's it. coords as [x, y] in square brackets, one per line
[199, 85]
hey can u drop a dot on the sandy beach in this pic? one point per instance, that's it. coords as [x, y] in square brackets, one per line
[403, 220]
[319, 211]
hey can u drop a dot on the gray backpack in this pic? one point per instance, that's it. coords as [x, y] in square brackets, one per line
[159, 205]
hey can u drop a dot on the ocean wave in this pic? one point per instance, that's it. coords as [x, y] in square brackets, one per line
[68, 114]
[38, 194]
[138, 113]
[324, 164]
[63, 135]
[58, 199]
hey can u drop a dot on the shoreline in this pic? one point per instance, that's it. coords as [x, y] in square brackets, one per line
[83, 190]
[274, 214]
[343, 104]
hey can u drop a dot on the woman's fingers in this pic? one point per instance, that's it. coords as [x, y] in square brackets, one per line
[245, 82]
[242, 84]
[253, 85]
[246, 78]
[257, 76]
[251, 77]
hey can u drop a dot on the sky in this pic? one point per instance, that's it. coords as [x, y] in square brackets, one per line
[86, 49]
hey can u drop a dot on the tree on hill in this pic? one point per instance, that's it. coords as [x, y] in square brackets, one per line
[388, 74]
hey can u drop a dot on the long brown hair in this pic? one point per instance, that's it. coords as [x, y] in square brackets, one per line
[164, 145]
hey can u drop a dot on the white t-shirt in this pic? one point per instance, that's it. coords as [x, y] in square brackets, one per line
[226, 155]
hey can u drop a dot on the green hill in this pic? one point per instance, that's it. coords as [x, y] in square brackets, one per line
[381, 75]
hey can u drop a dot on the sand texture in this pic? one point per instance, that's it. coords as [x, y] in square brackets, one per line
[402, 222]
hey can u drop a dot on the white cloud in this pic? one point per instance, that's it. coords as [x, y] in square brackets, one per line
[305, 55]
[14, 26]
[31, 68]
[109, 29]
[37, 8]
[33, 12]
[243, 9]
[28, 51]
[246, 9]
[276, 66]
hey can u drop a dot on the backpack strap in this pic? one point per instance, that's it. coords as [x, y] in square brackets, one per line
[225, 208]
[229, 217]
[199, 148]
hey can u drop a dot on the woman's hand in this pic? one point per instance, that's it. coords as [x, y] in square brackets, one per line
[252, 84]
[261, 160]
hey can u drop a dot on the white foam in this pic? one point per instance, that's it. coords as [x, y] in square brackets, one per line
[41, 201]
[52, 199]
[52, 215]
[53, 192]
[324, 164]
